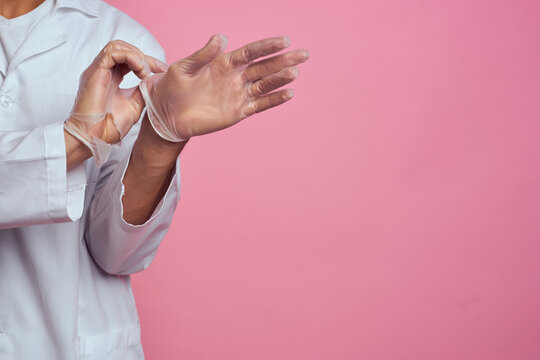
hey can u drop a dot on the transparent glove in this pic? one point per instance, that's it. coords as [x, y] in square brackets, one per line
[211, 90]
[103, 113]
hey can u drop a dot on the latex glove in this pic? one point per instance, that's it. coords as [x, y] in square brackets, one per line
[211, 90]
[103, 113]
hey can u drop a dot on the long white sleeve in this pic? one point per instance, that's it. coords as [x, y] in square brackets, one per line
[117, 246]
[34, 185]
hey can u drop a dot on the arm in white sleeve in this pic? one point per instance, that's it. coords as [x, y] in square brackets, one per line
[35, 187]
[116, 246]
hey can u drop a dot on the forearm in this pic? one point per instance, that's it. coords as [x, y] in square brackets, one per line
[148, 173]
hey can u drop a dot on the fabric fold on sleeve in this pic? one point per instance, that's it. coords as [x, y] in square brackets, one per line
[121, 248]
[33, 166]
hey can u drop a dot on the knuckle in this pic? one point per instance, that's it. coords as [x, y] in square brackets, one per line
[108, 49]
[253, 108]
[243, 115]
[259, 87]
[114, 45]
[176, 67]
[247, 55]
[249, 93]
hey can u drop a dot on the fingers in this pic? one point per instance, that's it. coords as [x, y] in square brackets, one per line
[271, 82]
[156, 65]
[257, 49]
[143, 58]
[266, 102]
[119, 52]
[151, 63]
[193, 63]
[274, 64]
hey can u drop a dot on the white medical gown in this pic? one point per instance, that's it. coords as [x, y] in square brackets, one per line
[66, 254]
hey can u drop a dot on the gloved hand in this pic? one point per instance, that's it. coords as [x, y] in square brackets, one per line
[209, 91]
[103, 113]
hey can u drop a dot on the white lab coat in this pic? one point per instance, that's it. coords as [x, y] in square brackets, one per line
[66, 254]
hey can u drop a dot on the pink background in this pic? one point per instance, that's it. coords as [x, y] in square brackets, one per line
[390, 211]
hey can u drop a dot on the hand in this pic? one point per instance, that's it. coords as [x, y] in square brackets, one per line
[101, 108]
[211, 90]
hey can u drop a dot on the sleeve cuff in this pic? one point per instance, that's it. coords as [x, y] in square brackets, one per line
[168, 201]
[119, 247]
[65, 193]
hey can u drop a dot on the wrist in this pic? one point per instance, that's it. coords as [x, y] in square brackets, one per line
[76, 151]
[154, 152]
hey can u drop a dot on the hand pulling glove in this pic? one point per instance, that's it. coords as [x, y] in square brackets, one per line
[103, 113]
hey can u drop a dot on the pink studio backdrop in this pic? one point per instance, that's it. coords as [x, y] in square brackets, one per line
[389, 211]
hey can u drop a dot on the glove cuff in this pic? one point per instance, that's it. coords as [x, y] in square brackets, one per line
[99, 148]
[155, 119]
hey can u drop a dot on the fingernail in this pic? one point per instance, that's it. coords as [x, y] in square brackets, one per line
[293, 71]
[306, 54]
[287, 40]
[222, 37]
[290, 93]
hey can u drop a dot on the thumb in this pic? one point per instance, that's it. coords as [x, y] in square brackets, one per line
[136, 105]
[213, 48]
[135, 97]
